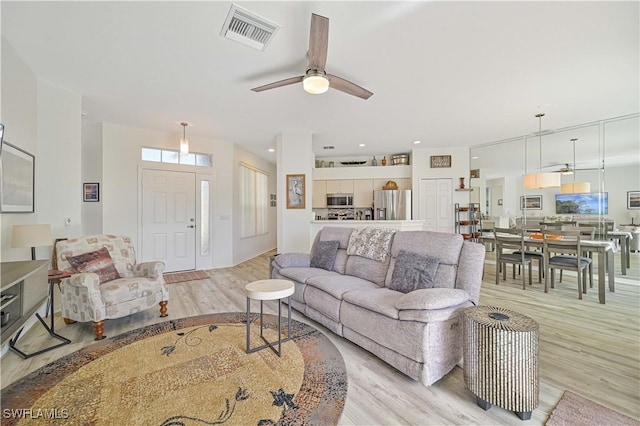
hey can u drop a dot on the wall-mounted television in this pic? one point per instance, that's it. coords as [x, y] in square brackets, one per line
[594, 203]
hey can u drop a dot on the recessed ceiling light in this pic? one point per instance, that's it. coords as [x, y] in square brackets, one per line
[361, 144]
[271, 150]
[417, 142]
[475, 157]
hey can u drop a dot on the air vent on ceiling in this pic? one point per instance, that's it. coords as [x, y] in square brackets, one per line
[248, 28]
[328, 147]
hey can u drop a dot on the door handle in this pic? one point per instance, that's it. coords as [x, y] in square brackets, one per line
[191, 226]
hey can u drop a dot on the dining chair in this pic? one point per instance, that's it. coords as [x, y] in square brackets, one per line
[510, 239]
[587, 232]
[534, 255]
[568, 243]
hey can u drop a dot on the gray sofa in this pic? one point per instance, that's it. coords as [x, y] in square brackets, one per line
[418, 332]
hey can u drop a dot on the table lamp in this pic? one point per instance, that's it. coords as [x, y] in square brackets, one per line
[33, 236]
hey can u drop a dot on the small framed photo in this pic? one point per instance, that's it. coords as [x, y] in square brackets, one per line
[295, 192]
[440, 161]
[91, 192]
[633, 200]
[475, 173]
[499, 201]
[532, 202]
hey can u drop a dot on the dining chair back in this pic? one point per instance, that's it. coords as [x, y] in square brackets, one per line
[510, 239]
[568, 243]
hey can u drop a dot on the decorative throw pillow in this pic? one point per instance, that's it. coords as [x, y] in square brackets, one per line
[413, 271]
[324, 255]
[98, 262]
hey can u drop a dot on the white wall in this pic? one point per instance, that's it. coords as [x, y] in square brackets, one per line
[92, 172]
[295, 156]
[247, 248]
[43, 119]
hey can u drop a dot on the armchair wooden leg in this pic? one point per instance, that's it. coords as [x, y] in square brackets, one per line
[68, 321]
[99, 329]
[163, 308]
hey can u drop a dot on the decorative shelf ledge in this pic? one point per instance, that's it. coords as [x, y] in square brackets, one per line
[464, 189]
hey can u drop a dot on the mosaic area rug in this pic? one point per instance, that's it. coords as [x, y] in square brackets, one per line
[179, 277]
[191, 371]
[576, 410]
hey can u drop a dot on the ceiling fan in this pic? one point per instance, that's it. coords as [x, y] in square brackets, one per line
[316, 80]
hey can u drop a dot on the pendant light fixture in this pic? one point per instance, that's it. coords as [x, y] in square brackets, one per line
[575, 187]
[541, 180]
[184, 142]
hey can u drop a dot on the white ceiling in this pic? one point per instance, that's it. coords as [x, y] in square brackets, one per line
[445, 73]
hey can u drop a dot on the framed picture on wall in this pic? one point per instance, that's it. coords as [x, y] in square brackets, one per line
[295, 192]
[633, 200]
[531, 202]
[91, 192]
[17, 183]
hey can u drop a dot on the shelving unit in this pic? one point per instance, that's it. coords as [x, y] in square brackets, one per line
[468, 221]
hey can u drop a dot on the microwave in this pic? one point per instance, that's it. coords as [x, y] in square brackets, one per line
[340, 200]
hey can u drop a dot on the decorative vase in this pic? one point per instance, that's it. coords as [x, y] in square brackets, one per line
[374, 162]
[384, 160]
[461, 183]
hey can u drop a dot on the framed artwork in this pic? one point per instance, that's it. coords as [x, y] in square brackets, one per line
[633, 200]
[499, 201]
[17, 183]
[475, 173]
[532, 202]
[440, 161]
[295, 192]
[91, 192]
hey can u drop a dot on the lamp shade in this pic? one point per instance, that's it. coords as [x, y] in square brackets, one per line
[184, 146]
[25, 236]
[575, 188]
[315, 84]
[542, 180]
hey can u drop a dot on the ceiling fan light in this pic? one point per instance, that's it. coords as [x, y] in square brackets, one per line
[315, 84]
[575, 188]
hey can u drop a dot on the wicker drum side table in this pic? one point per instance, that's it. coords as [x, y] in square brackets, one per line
[501, 359]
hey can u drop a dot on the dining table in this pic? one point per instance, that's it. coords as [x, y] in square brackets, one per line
[624, 239]
[604, 250]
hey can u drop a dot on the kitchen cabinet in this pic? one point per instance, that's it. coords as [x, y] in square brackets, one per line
[340, 186]
[363, 192]
[319, 200]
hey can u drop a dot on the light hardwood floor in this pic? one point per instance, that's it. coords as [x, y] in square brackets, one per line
[585, 347]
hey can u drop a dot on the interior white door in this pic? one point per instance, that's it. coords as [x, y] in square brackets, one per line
[436, 208]
[168, 219]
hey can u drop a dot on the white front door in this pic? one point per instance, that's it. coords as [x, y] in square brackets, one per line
[168, 219]
[436, 207]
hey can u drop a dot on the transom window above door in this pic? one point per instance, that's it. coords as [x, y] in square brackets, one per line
[169, 156]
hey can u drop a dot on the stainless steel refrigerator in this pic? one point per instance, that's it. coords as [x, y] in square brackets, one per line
[392, 205]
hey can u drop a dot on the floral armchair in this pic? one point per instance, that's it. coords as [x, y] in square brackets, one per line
[90, 295]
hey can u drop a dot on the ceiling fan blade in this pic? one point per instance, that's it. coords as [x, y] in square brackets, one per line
[348, 87]
[286, 82]
[318, 42]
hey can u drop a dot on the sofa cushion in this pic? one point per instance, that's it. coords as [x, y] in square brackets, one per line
[381, 301]
[413, 271]
[292, 260]
[336, 285]
[372, 243]
[98, 262]
[121, 290]
[303, 274]
[367, 269]
[432, 298]
[443, 246]
[324, 254]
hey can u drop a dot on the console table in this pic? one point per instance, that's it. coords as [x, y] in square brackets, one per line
[23, 287]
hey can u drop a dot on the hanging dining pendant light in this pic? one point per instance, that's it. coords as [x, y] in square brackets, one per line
[184, 142]
[575, 187]
[541, 180]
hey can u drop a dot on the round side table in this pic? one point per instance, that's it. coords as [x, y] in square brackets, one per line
[269, 290]
[501, 359]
